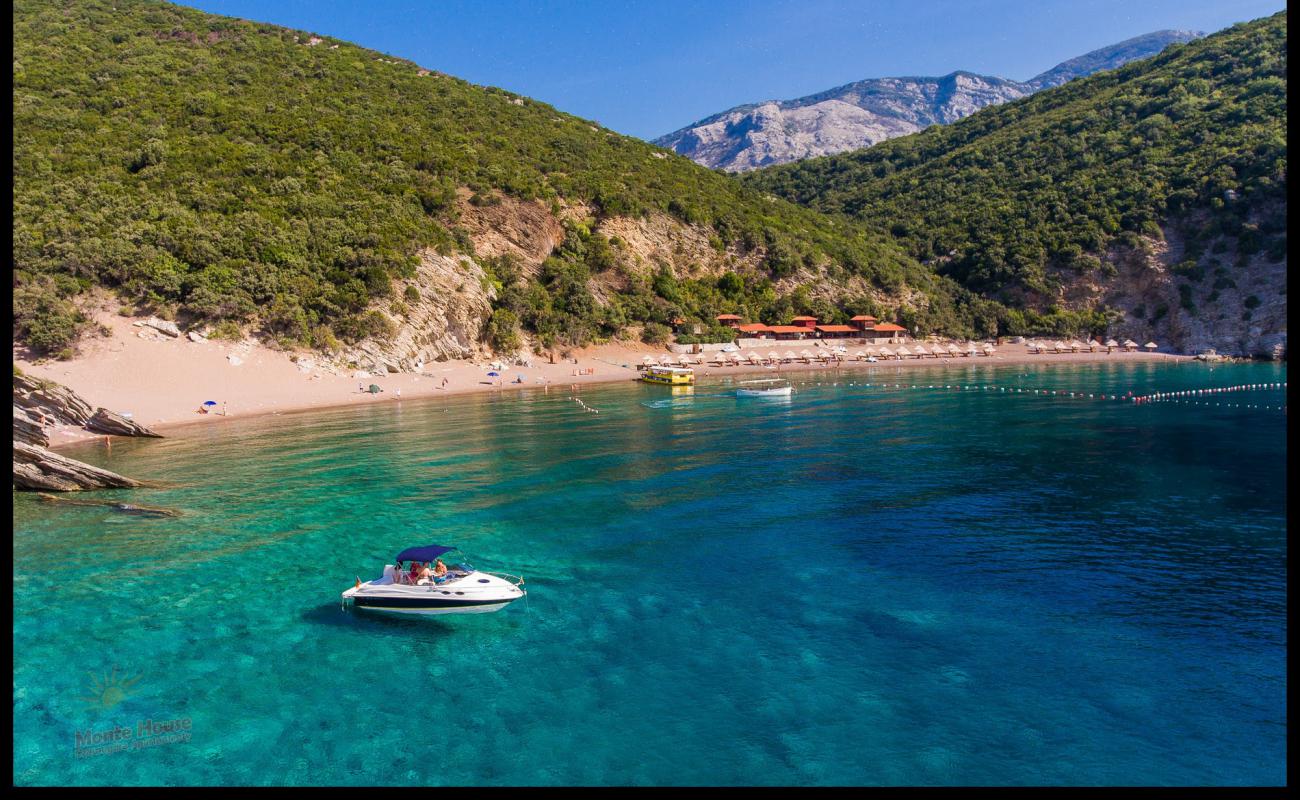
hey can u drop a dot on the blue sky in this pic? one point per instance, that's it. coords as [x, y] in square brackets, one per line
[648, 68]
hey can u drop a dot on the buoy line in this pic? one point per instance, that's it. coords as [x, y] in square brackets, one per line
[1182, 397]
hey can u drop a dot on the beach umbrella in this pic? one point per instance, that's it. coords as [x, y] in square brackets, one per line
[374, 388]
[953, 349]
[807, 355]
[699, 359]
[494, 374]
[665, 359]
[648, 359]
[1074, 346]
[209, 402]
[683, 359]
[885, 352]
[1129, 344]
[921, 351]
[1093, 345]
[773, 356]
[1151, 345]
[1110, 344]
[903, 351]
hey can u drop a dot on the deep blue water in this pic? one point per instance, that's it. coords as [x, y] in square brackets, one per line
[859, 585]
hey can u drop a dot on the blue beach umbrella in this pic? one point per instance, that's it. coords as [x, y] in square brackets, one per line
[209, 402]
[494, 374]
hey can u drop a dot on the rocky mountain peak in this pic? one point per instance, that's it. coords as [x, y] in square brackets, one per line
[864, 113]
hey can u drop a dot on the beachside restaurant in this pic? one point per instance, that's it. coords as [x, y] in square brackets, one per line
[789, 332]
[863, 327]
[838, 332]
[884, 332]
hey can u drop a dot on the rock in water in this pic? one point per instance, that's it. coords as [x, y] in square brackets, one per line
[38, 468]
[39, 403]
[105, 421]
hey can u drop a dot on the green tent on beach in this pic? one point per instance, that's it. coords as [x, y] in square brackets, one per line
[374, 388]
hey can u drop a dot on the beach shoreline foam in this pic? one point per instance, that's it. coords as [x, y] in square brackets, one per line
[161, 382]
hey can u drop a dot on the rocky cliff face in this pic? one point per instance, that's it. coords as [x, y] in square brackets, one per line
[1188, 307]
[443, 318]
[867, 112]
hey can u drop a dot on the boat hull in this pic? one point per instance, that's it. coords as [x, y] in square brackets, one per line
[781, 392]
[404, 605]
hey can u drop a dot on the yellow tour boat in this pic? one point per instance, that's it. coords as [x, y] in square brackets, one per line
[669, 376]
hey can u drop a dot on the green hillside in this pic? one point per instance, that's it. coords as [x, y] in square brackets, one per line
[224, 170]
[1015, 198]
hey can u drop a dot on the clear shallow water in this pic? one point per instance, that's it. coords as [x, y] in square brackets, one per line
[856, 585]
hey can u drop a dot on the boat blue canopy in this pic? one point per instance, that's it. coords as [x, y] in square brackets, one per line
[426, 552]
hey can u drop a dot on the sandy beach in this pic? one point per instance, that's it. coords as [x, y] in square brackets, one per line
[162, 382]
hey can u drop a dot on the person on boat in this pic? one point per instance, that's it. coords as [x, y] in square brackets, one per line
[414, 573]
[439, 568]
[424, 574]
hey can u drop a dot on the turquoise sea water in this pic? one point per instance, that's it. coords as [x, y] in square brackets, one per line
[858, 585]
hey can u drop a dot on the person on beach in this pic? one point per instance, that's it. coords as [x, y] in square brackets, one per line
[444, 383]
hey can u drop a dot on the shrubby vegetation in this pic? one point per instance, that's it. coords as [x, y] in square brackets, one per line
[1194, 138]
[225, 170]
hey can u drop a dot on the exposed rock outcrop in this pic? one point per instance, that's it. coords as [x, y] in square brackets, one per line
[162, 326]
[1223, 302]
[867, 112]
[443, 320]
[57, 404]
[38, 468]
[105, 421]
[29, 430]
[40, 403]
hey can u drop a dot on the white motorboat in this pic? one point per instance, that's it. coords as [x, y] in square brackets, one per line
[767, 387]
[416, 589]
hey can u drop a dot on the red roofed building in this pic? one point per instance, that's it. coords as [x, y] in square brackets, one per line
[836, 331]
[805, 322]
[863, 322]
[887, 332]
[753, 330]
[730, 320]
[787, 331]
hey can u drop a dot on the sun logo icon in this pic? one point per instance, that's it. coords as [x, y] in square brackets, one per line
[108, 690]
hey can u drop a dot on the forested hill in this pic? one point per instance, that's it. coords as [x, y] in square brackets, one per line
[224, 171]
[1181, 156]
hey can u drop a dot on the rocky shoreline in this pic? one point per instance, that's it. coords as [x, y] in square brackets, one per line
[39, 404]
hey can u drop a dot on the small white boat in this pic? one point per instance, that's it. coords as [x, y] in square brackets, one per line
[461, 590]
[768, 387]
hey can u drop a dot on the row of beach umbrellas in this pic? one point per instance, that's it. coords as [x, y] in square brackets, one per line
[1093, 346]
[970, 349]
